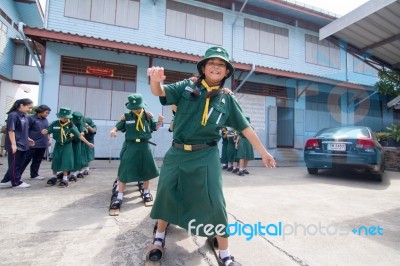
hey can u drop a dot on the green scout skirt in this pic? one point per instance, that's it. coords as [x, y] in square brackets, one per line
[63, 157]
[231, 152]
[190, 190]
[137, 162]
[80, 157]
[89, 152]
[245, 150]
[224, 152]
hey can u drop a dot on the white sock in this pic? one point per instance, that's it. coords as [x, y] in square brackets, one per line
[223, 253]
[120, 195]
[159, 235]
[146, 191]
[240, 169]
[65, 178]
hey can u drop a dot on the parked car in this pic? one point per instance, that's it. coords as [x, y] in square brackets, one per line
[353, 147]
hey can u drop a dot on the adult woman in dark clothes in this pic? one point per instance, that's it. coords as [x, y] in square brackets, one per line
[17, 142]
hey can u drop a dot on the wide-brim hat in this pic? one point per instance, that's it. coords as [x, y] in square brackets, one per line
[64, 112]
[77, 117]
[135, 101]
[216, 52]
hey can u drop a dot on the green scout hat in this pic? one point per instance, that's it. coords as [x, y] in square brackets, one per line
[135, 101]
[64, 112]
[88, 120]
[216, 52]
[77, 117]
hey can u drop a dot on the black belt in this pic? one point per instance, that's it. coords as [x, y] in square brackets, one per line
[193, 147]
[144, 140]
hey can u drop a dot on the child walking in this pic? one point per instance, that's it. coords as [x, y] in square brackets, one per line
[64, 132]
[137, 162]
[190, 183]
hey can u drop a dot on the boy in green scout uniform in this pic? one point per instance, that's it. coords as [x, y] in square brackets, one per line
[137, 162]
[63, 156]
[190, 185]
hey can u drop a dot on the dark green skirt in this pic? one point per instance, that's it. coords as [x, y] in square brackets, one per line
[62, 157]
[231, 152]
[137, 162]
[190, 190]
[245, 150]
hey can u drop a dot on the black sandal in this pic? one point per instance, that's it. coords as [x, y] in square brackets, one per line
[233, 263]
[52, 181]
[147, 197]
[141, 187]
[114, 196]
[72, 178]
[63, 183]
[116, 204]
[80, 175]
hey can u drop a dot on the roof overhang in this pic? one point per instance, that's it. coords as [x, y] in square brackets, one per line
[372, 30]
[42, 36]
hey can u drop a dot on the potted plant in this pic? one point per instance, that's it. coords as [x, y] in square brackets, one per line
[383, 137]
[394, 135]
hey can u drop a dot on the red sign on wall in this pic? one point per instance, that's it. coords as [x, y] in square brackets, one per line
[100, 71]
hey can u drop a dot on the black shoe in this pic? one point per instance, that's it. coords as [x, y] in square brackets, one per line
[229, 169]
[246, 172]
[235, 170]
[224, 167]
[241, 173]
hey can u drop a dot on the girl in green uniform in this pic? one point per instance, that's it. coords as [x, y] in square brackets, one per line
[190, 186]
[90, 132]
[80, 156]
[137, 162]
[64, 132]
[245, 152]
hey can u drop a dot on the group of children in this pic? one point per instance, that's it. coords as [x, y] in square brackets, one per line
[70, 158]
[236, 151]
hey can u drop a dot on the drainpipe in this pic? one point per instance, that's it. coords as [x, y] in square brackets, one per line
[34, 57]
[253, 68]
[233, 25]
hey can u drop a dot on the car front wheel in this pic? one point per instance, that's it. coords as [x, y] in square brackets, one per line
[312, 171]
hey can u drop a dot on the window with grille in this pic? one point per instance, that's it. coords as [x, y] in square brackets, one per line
[3, 36]
[194, 23]
[266, 39]
[97, 89]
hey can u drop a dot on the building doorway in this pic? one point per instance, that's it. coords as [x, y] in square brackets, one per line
[285, 123]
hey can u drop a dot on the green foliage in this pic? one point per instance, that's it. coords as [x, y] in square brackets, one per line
[394, 132]
[382, 136]
[389, 82]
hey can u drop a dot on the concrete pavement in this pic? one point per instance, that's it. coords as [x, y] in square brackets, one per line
[53, 226]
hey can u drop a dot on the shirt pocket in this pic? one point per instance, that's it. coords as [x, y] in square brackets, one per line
[189, 104]
[217, 114]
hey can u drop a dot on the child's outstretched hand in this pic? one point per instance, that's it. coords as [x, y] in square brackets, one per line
[156, 74]
[269, 160]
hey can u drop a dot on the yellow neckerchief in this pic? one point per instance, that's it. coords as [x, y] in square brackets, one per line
[139, 120]
[205, 112]
[63, 135]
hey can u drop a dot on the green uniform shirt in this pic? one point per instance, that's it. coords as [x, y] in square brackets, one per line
[70, 131]
[223, 111]
[129, 124]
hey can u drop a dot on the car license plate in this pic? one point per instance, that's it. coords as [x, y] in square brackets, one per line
[336, 146]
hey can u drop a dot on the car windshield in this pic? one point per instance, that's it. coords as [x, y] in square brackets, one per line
[344, 133]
